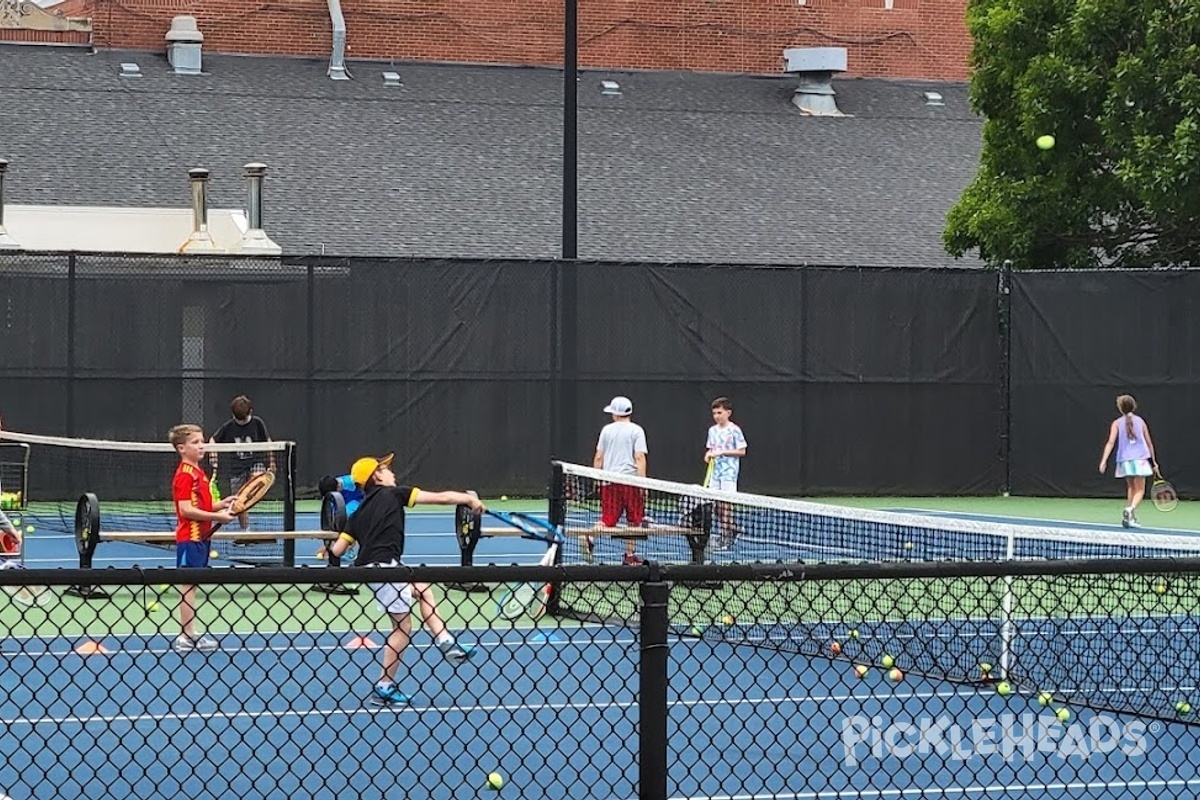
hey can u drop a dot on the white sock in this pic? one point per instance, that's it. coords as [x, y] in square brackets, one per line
[445, 637]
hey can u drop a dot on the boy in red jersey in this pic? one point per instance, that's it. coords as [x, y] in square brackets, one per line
[195, 516]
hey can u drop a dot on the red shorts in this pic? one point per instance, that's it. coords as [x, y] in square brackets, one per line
[618, 498]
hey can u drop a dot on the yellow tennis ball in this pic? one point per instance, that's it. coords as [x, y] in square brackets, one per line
[495, 780]
[29, 529]
[861, 670]
[908, 545]
[1003, 688]
[895, 674]
[213, 554]
[1063, 715]
[504, 498]
[152, 606]
[888, 662]
[1044, 698]
[727, 619]
[1160, 587]
[1183, 707]
[854, 633]
[1045, 142]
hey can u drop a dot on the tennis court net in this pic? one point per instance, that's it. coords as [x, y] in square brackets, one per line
[1113, 641]
[132, 482]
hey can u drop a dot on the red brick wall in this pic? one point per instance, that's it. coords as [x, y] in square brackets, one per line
[915, 39]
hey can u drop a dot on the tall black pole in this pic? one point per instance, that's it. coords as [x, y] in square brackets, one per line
[570, 131]
[564, 418]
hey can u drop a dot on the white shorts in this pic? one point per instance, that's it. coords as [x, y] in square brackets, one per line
[394, 598]
[723, 485]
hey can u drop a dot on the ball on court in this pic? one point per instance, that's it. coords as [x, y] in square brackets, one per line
[895, 674]
[1063, 715]
[835, 648]
[504, 498]
[854, 633]
[152, 606]
[908, 545]
[985, 669]
[888, 661]
[1045, 142]
[495, 780]
[861, 670]
[727, 619]
[1003, 688]
[213, 554]
[1160, 587]
[29, 529]
[1183, 707]
[1044, 698]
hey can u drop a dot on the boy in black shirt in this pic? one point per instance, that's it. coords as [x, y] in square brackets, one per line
[378, 529]
[242, 466]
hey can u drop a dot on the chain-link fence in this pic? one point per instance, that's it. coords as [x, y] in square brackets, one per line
[1035, 679]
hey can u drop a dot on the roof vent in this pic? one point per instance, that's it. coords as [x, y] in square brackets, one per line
[392, 79]
[184, 41]
[130, 69]
[934, 99]
[815, 67]
[610, 88]
[337, 55]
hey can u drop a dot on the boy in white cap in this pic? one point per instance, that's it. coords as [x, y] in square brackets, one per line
[622, 449]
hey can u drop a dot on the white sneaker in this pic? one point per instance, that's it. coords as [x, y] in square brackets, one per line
[186, 644]
[1126, 517]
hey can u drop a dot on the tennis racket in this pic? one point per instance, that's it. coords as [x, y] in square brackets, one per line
[529, 598]
[249, 495]
[1163, 493]
[213, 489]
[708, 472]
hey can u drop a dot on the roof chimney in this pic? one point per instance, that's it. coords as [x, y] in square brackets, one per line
[6, 241]
[200, 240]
[183, 45]
[337, 58]
[255, 239]
[815, 66]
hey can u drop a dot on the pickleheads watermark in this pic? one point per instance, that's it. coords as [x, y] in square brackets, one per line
[1013, 737]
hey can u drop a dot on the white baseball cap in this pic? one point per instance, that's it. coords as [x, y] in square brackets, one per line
[621, 406]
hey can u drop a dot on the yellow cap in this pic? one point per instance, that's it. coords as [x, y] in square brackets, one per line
[365, 467]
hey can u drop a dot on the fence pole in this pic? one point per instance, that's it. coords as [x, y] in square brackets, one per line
[1004, 287]
[71, 293]
[652, 691]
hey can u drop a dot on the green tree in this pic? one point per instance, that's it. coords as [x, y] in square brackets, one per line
[1117, 83]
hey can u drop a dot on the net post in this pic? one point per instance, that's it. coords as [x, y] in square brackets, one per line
[1006, 626]
[468, 529]
[289, 504]
[556, 515]
[652, 688]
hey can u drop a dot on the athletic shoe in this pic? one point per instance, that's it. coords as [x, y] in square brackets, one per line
[186, 644]
[454, 652]
[388, 694]
[631, 560]
[1126, 516]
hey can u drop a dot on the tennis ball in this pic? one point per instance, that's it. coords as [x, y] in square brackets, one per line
[895, 674]
[164, 587]
[495, 780]
[854, 633]
[1063, 715]
[888, 661]
[835, 648]
[1045, 142]
[861, 670]
[727, 619]
[503, 498]
[29, 529]
[1183, 707]
[1003, 688]
[908, 545]
[1044, 698]
[213, 554]
[1161, 587]
[152, 606]
[985, 668]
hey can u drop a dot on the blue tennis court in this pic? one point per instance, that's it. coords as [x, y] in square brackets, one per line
[553, 707]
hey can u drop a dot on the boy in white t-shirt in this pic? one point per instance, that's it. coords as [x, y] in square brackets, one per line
[622, 449]
[724, 448]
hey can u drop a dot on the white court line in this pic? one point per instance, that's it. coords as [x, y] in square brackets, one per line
[491, 708]
[952, 791]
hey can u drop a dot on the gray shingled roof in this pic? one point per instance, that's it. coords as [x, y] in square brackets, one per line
[466, 161]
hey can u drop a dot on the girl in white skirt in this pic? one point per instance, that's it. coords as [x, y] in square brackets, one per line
[1135, 456]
